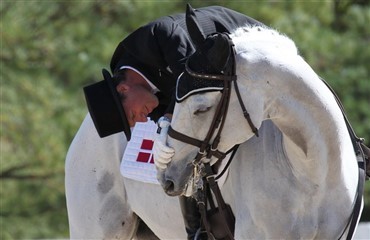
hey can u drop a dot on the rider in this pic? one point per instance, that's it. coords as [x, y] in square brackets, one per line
[145, 67]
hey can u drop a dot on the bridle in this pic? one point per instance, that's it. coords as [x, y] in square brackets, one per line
[206, 148]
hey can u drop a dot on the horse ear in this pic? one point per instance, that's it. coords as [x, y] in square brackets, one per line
[212, 56]
[194, 29]
[219, 51]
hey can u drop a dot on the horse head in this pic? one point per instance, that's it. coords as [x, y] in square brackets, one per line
[207, 110]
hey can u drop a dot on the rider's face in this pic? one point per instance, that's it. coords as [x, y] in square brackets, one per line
[138, 100]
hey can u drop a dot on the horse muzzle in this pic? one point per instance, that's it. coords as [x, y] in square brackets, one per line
[174, 180]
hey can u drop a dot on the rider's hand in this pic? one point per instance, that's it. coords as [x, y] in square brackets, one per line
[162, 153]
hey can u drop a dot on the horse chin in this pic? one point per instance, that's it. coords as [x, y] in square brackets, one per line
[187, 191]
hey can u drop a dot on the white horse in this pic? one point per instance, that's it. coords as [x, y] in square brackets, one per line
[298, 179]
[102, 204]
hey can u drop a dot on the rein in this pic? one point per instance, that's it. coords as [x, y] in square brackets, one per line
[363, 159]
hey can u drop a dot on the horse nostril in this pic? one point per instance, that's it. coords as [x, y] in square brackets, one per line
[168, 186]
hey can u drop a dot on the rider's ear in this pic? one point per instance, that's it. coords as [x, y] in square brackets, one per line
[195, 31]
[122, 87]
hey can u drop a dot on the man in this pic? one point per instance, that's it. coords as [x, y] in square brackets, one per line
[145, 67]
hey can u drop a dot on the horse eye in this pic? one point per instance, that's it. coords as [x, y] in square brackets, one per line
[201, 110]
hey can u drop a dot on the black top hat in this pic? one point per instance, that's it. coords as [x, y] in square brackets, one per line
[105, 107]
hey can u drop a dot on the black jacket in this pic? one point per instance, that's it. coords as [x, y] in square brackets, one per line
[159, 49]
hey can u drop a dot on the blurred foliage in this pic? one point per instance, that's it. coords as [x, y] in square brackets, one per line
[50, 49]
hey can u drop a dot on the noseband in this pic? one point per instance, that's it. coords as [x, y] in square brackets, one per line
[206, 148]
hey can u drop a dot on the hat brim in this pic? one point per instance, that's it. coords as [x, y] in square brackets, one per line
[117, 99]
[105, 107]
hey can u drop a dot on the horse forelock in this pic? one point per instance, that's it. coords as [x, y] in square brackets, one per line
[261, 39]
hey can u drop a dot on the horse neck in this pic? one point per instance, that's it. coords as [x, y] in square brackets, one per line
[315, 137]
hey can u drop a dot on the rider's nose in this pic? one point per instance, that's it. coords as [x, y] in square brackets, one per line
[141, 118]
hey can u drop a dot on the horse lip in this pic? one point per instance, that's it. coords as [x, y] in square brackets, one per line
[174, 193]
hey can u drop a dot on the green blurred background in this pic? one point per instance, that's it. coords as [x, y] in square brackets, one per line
[51, 49]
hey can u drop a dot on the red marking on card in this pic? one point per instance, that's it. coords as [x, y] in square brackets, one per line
[143, 157]
[151, 159]
[147, 144]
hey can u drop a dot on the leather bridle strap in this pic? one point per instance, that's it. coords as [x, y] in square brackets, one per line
[245, 112]
[220, 201]
[197, 143]
[184, 138]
